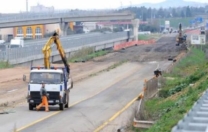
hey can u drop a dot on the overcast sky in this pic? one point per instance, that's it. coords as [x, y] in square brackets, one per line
[11, 6]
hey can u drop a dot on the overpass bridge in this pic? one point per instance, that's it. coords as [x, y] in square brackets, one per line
[62, 18]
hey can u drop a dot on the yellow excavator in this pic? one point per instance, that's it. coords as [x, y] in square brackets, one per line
[181, 39]
[57, 80]
[47, 51]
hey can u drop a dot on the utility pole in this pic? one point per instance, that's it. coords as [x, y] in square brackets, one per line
[26, 5]
[121, 4]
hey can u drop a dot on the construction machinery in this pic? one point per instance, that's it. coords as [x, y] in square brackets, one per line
[181, 39]
[57, 80]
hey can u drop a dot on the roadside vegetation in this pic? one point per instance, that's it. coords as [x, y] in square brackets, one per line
[183, 86]
[86, 54]
[4, 65]
[175, 21]
[115, 65]
[149, 36]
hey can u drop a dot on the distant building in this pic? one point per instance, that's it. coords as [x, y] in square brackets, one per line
[89, 25]
[40, 8]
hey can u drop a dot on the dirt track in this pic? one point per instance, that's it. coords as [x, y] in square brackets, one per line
[13, 88]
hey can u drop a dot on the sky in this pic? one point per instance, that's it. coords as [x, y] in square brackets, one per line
[15, 6]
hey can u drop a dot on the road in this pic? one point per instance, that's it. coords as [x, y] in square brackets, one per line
[64, 38]
[93, 102]
[73, 37]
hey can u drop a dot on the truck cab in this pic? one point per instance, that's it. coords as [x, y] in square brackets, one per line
[57, 83]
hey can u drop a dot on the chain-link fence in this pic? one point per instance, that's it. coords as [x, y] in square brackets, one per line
[35, 50]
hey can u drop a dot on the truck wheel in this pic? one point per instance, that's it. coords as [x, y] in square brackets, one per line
[67, 101]
[30, 107]
[61, 106]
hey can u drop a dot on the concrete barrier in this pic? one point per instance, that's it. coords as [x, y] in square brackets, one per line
[132, 43]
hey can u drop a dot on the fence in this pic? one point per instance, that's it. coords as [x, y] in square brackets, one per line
[35, 16]
[36, 49]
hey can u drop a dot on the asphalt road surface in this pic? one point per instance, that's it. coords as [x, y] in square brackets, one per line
[93, 101]
[70, 37]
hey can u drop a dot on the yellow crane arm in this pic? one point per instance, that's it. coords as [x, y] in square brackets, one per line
[47, 51]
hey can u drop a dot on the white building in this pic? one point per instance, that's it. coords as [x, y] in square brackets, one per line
[41, 8]
[89, 26]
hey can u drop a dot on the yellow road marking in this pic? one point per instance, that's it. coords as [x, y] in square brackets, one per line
[115, 115]
[55, 113]
[118, 113]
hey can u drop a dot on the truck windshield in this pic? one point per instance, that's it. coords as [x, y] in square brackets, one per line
[48, 78]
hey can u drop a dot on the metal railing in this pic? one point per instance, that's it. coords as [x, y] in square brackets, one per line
[36, 50]
[35, 16]
[196, 120]
[73, 36]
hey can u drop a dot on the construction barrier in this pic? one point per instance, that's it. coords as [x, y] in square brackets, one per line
[195, 31]
[132, 43]
[150, 89]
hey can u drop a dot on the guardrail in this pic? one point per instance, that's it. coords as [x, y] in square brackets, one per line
[35, 16]
[35, 51]
[196, 120]
[73, 36]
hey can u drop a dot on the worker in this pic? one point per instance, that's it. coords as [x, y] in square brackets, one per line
[157, 72]
[44, 97]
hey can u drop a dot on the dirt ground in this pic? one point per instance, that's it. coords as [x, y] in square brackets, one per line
[13, 89]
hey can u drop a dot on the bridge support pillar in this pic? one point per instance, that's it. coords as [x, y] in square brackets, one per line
[64, 27]
[135, 24]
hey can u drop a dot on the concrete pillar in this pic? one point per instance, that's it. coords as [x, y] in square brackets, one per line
[64, 26]
[135, 24]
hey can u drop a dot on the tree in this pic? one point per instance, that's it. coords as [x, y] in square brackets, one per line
[188, 12]
[174, 14]
[161, 12]
[182, 14]
[149, 13]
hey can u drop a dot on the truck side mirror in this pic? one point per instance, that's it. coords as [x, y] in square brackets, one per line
[24, 78]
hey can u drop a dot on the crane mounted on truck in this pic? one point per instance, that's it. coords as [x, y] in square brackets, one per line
[181, 39]
[57, 80]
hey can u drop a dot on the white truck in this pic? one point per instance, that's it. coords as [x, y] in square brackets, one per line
[16, 43]
[57, 83]
[57, 80]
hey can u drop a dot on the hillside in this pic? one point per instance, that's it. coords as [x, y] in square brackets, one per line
[170, 3]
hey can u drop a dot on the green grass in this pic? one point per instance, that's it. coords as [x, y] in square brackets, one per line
[177, 96]
[4, 65]
[148, 36]
[86, 54]
[110, 67]
[195, 59]
[175, 21]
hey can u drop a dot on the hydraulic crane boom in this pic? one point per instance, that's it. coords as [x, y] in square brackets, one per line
[181, 39]
[47, 51]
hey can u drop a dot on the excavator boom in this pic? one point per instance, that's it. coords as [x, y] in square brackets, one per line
[47, 51]
[180, 38]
